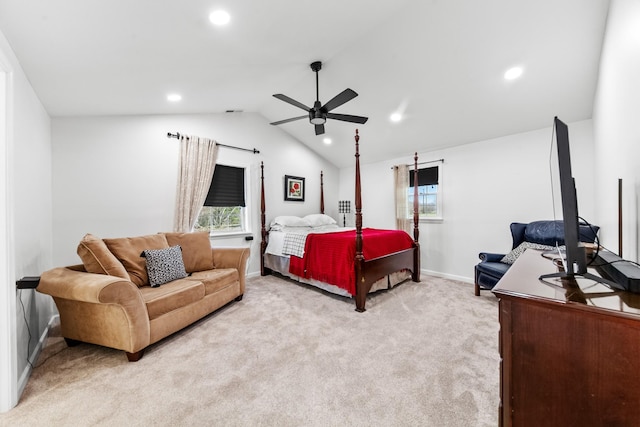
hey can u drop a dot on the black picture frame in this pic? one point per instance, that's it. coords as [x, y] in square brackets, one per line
[293, 188]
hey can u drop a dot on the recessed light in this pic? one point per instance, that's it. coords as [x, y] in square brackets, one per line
[395, 117]
[513, 73]
[174, 97]
[219, 17]
[327, 141]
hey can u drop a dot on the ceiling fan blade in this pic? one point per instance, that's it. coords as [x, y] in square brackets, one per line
[291, 101]
[339, 99]
[348, 118]
[290, 120]
[319, 129]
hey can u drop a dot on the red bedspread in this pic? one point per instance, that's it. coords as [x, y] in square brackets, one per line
[330, 257]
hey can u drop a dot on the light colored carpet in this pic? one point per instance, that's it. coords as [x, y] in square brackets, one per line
[423, 354]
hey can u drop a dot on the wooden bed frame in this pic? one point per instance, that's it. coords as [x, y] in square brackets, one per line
[367, 271]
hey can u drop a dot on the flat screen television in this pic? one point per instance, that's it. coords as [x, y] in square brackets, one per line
[575, 257]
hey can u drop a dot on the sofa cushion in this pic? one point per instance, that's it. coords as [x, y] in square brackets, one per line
[128, 250]
[171, 296]
[164, 265]
[217, 279]
[196, 250]
[97, 258]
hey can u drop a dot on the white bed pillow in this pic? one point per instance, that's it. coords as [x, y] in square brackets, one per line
[290, 221]
[318, 220]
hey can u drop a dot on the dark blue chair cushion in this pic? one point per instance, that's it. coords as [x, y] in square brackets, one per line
[488, 273]
[545, 233]
[548, 233]
[493, 268]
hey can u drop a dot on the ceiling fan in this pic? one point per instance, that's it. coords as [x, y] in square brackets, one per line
[319, 114]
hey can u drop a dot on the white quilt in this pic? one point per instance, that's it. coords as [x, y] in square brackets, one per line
[291, 240]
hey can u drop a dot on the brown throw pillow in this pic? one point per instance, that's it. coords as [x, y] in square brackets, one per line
[97, 258]
[196, 250]
[128, 250]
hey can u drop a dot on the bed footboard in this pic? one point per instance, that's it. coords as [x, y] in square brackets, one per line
[372, 270]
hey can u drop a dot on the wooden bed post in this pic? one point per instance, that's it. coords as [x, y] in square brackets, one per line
[415, 276]
[263, 231]
[321, 193]
[361, 292]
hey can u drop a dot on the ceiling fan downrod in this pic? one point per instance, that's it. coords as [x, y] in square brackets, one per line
[317, 66]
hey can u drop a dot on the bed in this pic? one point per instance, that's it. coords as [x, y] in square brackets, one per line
[346, 261]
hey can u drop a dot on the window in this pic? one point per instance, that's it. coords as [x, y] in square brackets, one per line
[224, 209]
[429, 193]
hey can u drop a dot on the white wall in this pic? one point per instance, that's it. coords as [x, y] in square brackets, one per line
[26, 224]
[116, 176]
[617, 127]
[486, 186]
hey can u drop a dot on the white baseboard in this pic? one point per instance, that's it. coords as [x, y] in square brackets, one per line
[448, 276]
[33, 357]
[253, 274]
[422, 271]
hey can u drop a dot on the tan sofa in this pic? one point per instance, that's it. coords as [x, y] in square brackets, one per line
[108, 300]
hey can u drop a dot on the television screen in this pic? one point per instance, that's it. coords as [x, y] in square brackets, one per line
[575, 258]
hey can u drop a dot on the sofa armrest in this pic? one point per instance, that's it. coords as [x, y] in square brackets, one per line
[490, 257]
[75, 285]
[97, 308]
[232, 258]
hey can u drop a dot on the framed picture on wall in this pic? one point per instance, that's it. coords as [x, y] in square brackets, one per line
[293, 188]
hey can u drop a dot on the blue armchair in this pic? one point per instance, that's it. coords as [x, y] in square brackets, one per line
[537, 235]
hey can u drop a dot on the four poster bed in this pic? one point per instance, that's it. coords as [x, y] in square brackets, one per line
[314, 250]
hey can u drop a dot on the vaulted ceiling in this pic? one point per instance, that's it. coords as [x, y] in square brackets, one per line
[438, 62]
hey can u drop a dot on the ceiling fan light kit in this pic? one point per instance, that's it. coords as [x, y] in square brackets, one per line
[319, 114]
[315, 114]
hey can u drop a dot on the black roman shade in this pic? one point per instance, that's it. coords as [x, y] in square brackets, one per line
[426, 176]
[227, 187]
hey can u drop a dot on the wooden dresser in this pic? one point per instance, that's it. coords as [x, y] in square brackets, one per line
[570, 350]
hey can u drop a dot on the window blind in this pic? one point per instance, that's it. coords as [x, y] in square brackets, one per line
[227, 187]
[426, 176]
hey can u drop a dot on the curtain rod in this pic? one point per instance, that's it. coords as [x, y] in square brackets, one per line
[424, 163]
[177, 136]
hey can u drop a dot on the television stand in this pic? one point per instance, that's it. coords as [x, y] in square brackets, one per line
[569, 353]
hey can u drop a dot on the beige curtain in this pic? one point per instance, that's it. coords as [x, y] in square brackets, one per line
[401, 182]
[198, 158]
